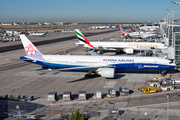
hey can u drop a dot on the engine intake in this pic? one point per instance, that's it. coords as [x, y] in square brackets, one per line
[106, 72]
[128, 50]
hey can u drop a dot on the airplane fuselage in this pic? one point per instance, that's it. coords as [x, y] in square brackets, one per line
[122, 45]
[119, 62]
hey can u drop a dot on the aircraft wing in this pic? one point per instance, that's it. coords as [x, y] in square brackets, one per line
[20, 59]
[78, 68]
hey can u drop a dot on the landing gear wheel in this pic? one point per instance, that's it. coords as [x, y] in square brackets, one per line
[86, 76]
[94, 75]
[90, 75]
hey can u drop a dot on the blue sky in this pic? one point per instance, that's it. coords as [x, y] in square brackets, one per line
[86, 11]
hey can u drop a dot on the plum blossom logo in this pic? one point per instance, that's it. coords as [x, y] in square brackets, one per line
[30, 49]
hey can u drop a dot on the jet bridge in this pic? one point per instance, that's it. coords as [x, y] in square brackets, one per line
[150, 52]
[158, 53]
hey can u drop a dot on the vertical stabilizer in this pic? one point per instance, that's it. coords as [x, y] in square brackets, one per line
[30, 49]
[82, 38]
[132, 29]
[122, 30]
[4, 30]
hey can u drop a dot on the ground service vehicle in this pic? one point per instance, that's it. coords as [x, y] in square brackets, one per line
[147, 90]
[154, 83]
[111, 93]
[123, 91]
[25, 98]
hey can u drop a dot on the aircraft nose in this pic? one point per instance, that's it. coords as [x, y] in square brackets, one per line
[173, 64]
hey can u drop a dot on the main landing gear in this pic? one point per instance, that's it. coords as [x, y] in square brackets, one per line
[163, 73]
[90, 75]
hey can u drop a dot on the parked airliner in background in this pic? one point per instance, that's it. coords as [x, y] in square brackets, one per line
[39, 34]
[105, 27]
[127, 47]
[11, 33]
[101, 27]
[148, 28]
[114, 26]
[141, 32]
[102, 65]
[138, 34]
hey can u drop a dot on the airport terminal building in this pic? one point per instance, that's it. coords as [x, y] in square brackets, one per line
[174, 44]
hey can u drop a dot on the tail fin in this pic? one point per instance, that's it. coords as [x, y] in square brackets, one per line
[132, 29]
[4, 30]
[45, 33]
[82, 38]
[30, 49]
[122, 30]
[110, 26]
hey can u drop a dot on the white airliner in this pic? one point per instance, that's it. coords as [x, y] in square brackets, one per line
[138, 34]
[102, 65]
[127, 47]
[11, 33]
[102, 27]
[39, 34]
[148, 28]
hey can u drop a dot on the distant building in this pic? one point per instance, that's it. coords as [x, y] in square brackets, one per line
[6, 23]
[75, 23]
[61, 23]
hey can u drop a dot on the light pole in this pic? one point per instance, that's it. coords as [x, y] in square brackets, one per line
[172, 26]
[166, 19]
[169, 24]
[168, 106]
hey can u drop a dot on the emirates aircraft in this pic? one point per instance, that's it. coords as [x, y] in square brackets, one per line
[127, 47]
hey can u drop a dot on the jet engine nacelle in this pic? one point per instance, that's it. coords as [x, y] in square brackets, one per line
[128, 50]
[106, 72]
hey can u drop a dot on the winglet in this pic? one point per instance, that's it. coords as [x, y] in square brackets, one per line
[82, 38]
[30, 49]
